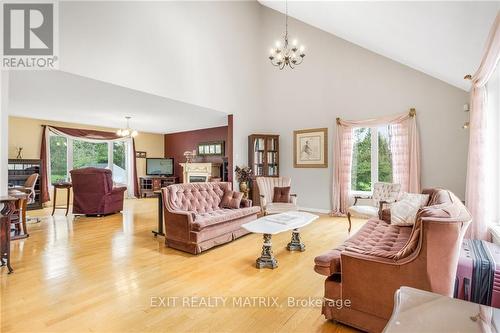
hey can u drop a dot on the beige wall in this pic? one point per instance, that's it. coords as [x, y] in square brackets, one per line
[27, 133]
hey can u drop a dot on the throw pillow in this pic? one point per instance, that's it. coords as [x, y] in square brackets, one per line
[281, 194]
[404, 211]
[231, 199]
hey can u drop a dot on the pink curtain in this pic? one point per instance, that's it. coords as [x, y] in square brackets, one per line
[342, 156]
[478, 165]
[405, 149]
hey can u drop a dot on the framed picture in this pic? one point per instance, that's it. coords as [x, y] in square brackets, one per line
[214, 148]
[140, 154]
[310, 148]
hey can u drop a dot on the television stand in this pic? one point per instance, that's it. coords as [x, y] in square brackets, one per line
[149, 184]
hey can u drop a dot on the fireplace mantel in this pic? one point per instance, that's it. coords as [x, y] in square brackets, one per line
[196, 172]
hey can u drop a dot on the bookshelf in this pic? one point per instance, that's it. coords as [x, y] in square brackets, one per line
[19, 171]
[263, 158]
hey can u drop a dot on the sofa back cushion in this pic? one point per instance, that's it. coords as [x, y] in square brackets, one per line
[196, 197]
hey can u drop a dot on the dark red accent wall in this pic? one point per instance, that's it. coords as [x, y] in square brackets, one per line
[177, 143]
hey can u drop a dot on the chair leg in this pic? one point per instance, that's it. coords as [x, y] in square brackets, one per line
[349, 219]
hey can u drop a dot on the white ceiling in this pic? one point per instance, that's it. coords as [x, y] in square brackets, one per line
[61, 96]
[442, 39]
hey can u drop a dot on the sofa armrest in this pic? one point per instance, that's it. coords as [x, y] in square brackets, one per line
[178, 224]
[382, 204]
[245, 203]
[293, 199]
[357, 197]
[369, 282]
[188, 214]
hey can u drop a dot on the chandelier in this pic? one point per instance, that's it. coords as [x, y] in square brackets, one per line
[285, 55]
[127, 132]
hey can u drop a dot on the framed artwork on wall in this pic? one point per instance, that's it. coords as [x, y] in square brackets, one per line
[214, 148]
[310, 148]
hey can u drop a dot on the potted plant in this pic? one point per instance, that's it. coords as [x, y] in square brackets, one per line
[243, 176]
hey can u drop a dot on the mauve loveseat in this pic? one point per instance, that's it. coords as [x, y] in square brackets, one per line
[195, 220]
[94, 193]
[380, 258]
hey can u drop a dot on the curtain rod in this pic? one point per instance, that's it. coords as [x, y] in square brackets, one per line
[412, 113]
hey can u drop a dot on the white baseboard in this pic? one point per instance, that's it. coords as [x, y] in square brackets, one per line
[315, 210]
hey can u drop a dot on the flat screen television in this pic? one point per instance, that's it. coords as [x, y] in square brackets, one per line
[160, 166]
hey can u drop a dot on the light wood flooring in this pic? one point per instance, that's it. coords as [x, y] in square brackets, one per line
[102, 275]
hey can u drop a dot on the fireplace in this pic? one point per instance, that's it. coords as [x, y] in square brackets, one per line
[196, 172]
[198, 179]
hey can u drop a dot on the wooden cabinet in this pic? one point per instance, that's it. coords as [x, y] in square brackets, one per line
[149, 184]
[263, 158]
[20, 170]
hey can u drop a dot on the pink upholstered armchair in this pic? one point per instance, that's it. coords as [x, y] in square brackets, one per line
[93, 192]
[266, 190]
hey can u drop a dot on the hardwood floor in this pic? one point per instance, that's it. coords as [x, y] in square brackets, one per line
[104, 274]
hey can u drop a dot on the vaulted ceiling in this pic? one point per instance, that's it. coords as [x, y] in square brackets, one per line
[442, 39]
[176, 65]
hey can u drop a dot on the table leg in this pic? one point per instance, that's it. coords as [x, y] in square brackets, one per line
[55, 201]
[296, 243]
[23, 222]
[67, 202]
[267, 258]
[7, 210]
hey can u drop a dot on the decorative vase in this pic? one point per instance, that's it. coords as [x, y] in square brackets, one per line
[244, 189]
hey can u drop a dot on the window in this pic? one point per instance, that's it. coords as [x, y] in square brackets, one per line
[119, 162]
[90, 154]
[58, 158]
[67, 154]
[371, 158]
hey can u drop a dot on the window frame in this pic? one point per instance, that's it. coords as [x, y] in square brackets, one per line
[374, 162]
[69, 154]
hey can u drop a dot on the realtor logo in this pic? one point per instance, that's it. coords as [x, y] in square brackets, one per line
[29, 35]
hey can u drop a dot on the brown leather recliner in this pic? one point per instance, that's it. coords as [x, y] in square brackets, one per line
[380, 258]
[93, 192]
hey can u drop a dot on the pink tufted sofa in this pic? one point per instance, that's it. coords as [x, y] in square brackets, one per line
[194, 220]
[371, 265]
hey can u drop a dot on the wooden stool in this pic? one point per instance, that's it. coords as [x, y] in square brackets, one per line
[62, 185]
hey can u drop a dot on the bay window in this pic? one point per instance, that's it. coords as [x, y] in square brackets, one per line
[67, 153]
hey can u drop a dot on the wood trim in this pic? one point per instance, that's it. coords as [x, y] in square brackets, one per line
[325, 148]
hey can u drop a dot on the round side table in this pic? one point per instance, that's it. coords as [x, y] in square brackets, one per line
[62, 185]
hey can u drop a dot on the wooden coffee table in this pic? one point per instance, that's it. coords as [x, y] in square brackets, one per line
[274, 224]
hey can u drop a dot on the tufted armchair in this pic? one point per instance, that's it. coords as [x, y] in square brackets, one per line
[266, 190]
[195, 220]
[383, 194]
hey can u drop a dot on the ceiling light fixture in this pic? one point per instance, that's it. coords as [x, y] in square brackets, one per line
[284, 55]
[127, 132]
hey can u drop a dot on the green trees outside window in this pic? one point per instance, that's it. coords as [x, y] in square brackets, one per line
[371, 158]
[67, 154]
[58, 158]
